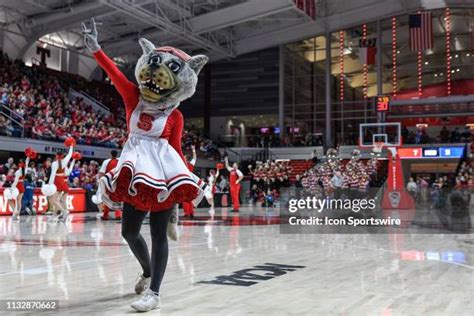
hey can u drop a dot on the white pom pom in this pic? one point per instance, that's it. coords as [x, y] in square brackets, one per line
[96, 199]
[11, 193]
[48, 189]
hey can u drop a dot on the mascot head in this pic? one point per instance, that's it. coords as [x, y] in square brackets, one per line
[166, 75]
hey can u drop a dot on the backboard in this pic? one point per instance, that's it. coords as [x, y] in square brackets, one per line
[390, 134]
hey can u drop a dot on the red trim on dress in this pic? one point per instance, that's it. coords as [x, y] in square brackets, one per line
[146, 198]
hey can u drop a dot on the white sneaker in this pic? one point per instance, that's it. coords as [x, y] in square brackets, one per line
[212, 212]
[29, 211]
[172, 229]
[16, 216]
[150, 300]
[142, 284]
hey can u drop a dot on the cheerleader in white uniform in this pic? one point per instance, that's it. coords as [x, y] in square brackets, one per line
[14, 194]
[211, 189]
[57, 186]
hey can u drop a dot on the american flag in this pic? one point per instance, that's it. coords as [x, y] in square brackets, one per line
[367, 51]
[421, 31]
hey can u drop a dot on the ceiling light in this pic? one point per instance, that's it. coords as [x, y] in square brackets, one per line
[458, 70]
[436, 75]
[456, 55]
[426, 63]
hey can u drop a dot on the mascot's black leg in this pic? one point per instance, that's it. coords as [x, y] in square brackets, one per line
[131, 224]
[159, 249]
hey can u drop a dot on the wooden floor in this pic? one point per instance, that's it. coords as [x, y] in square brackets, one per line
[87, 267]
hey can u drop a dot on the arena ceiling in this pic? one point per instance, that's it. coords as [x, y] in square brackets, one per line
[219, 28]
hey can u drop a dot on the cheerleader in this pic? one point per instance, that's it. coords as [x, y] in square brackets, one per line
[235, 177]
[107, 166]
[14, 194]
[211, 189]
[57, 186]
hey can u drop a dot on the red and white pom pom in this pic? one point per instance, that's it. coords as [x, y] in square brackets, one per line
[31, 153]
[48, 189]
[11, 193]
[70, 142]
[76, 155]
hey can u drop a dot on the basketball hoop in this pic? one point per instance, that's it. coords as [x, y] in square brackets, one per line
[377, 148]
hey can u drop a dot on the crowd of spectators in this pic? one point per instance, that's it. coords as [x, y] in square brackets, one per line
[297, 140]
[40, 102]
[206, 147]
[433, 191]
[37, 98]
[421, 136]
[267, 178]
[83, 174]
[334, 178]
[447, 198]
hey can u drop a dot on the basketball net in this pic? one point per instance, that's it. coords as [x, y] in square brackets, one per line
[378, 146]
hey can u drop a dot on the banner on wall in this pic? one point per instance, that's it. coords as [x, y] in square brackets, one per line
[13, 144]
[76, 201]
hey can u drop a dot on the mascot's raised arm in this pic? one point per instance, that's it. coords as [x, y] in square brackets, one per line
[151, 175]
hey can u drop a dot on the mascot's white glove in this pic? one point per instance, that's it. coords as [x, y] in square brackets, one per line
[48, 189]
[11, 193]
[90, 37]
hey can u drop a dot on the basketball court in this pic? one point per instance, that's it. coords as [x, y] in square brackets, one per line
[86, 265]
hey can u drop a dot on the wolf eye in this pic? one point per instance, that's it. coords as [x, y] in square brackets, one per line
[174, 66]
[155, 59]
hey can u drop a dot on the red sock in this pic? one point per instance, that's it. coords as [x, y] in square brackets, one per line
[106, 212]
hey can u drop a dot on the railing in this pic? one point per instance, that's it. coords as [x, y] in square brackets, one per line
[14, 118]
[90, 100]
[224, 149]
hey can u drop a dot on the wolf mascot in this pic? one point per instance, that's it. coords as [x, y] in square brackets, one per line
[152, 174]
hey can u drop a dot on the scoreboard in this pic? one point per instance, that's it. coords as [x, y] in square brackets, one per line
[430, 152]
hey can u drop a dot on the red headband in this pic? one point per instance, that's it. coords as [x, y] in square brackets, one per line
[174, 51]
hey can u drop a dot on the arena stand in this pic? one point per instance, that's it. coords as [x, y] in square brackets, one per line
[338, 177]
[35, 105]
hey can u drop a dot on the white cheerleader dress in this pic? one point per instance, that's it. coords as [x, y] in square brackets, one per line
[151, 173]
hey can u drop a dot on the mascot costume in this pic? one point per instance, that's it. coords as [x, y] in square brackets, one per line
[151, 174]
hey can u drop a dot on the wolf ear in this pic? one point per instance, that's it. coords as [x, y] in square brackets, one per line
[146, 45]
[197, 62]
